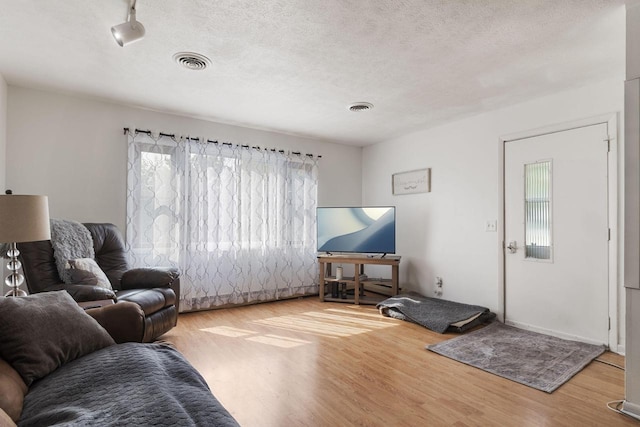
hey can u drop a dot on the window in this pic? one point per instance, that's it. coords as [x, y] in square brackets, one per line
[239, 222]
[537, 204]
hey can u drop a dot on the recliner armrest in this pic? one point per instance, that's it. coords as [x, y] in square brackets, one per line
[124, 321]
[82, 293]
[146, 278]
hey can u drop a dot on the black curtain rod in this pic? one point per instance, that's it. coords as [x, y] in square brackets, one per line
[171, 135]
[148, 132]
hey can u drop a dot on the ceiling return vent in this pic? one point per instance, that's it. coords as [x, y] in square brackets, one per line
[192, 61]
[360, 106]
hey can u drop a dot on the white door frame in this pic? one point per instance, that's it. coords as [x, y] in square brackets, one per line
[612, 126]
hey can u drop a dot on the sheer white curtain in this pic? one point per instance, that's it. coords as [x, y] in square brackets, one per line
[238, 221]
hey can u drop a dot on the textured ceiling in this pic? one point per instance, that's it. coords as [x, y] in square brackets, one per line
[294, 66]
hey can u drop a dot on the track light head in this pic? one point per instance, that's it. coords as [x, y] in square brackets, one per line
[130, 31]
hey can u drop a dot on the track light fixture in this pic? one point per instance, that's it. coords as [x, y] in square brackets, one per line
[130, 31]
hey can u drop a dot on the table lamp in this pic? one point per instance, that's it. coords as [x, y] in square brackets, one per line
[22, 219]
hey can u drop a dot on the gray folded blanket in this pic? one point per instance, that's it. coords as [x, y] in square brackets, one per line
[433, 313]
[129, 384]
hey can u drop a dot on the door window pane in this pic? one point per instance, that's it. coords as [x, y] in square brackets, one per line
[537, 203]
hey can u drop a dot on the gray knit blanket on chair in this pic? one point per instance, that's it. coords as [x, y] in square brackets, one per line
[70, 240]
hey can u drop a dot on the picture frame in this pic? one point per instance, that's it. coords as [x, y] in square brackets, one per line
[411, 182]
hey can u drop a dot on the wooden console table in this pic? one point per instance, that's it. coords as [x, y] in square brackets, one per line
[366, 290]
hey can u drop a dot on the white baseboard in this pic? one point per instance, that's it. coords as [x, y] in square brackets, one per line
[552, 332]
[631, 409]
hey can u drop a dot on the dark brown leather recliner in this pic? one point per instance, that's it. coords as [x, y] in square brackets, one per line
[155, 290]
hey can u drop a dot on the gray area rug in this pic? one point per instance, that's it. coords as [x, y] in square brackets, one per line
[537, 360]
[433, 313]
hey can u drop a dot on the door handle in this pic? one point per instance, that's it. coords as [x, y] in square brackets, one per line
[513, 247]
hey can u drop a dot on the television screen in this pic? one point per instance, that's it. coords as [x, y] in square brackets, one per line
[363, 229]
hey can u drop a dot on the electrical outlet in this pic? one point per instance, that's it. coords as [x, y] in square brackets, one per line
[438, 290]
[491, 225]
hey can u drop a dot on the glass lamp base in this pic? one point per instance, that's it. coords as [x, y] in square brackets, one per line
[16, 292]
[15, 279]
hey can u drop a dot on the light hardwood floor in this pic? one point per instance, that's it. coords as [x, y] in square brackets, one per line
[305, 363]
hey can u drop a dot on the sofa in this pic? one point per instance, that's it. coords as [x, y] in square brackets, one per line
[59, 365]
[155, 290]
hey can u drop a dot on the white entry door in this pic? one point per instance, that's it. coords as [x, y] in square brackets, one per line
[557, 233]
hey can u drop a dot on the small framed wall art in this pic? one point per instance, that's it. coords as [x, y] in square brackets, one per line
[411, 182]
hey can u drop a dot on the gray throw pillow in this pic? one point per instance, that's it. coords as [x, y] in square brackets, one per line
[82, 277]
[91, 266]
[41, 332]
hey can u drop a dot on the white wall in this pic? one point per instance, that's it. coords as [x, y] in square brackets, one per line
[3, 132]
[72, 149]
[3, 147]
[632, 142]
[633, 39]
[442, 233]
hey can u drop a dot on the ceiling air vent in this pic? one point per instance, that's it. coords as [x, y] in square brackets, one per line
[192, 60]
[360, 106]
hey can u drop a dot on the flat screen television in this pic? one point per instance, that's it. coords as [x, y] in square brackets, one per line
[357, 229]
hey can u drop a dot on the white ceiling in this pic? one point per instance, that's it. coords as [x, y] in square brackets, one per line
[294, 66]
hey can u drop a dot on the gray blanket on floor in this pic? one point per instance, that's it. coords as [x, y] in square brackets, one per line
[432, 313]
[125, 385]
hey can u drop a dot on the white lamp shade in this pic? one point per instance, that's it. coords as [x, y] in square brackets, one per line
[24, 218]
